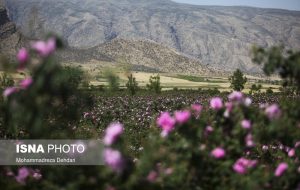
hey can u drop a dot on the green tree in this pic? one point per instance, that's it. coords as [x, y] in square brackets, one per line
[74, 77]
[132, 85]
[237, 80]
[113, 81]
[278, 60]
[255, 88]
[154, 84]
[269, 90]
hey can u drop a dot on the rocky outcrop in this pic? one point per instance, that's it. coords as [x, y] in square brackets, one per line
[218, 37]
[10, 39]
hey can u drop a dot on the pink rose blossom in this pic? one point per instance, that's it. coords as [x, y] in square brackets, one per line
[246, 124]
[24, 84]
[45, 48]
[85, 114]
[112, 133]
[113, 159]
[182, 116]
[36, 175]
[9, 91]
[247, 101]
[168, 171]
[152, 176]
[273, 111]
[197, 108]
[209, 129]
[265, 147]
[249, 141]
[22, 57]
[235, 96]
[216, 103]
[242, 165]
[23, 173]
[10, 173]
[218, 153]
[291, 153]
[229, 108]
[239, 168]
[166, 122]
[110, 188]
[281, 168]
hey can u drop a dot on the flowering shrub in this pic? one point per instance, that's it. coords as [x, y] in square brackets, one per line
[231, 145]
[219, 142]
[46, 102]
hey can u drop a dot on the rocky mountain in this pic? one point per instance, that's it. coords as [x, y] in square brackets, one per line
[213, 36]
[142, 55]
[10, 38]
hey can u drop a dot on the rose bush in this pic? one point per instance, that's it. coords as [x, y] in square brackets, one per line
[225, 147]
[220, 142]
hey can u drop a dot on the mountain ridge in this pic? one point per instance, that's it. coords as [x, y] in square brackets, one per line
[141, 54]
[219, 37]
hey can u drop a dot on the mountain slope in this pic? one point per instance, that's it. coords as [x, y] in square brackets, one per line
[10, 38]
[219, 37]
[142, 55]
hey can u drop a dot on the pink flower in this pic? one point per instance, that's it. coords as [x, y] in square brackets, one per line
[249, 141]
[282, 167]
[10, 173]
[37, 175]
[216, 103]
[197, 108]
[239, 168]
[246, 124]
[291, 153]
[22, 57]
[85, 114]
[168, 171]
[229, 107]
[152, 176]
[247, 102]
[218, 153]
[110, 188]
[265, 147]
[166, 122]
[45, 48]
[273, 111]
[235, 96]
[182, 116]
[24, 84]
[113, 159]
[23, 173]
[9, 91]
[242, 165]
[209, 129]
[112, 133]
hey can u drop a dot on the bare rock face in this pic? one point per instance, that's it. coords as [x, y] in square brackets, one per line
[217, 37]
[10, 38]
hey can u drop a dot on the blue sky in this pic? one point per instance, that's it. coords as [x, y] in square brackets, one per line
[281, 4]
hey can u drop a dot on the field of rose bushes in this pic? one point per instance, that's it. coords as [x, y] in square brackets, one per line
[138, 113]
[183, 139]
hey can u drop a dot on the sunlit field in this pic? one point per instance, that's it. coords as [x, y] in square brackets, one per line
[169, 81]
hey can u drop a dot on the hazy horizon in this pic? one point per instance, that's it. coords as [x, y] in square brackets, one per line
[275, 4]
